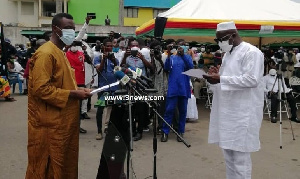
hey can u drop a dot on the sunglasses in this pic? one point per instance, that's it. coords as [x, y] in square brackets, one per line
[226, 37]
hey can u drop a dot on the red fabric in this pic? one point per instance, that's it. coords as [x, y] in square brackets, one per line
[26, 71]
[77, 63]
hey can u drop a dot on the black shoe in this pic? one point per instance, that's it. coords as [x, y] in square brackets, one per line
[25, 92]
[158, 131]
[294, 119]
[82, 131]
[146, 129]
[178, 139]
[85, 116]
[273, 120]
[164, 137]
[138, 136]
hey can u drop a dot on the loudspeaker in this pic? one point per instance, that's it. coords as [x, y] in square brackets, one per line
[160, 24]
[116, 144]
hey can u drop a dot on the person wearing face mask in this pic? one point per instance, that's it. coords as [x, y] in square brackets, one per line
[272, 91]
[76, 59]
[134, 58]
[201, 60]
[290, 60]
[178, 90]
[119, 54]
[208, 58]
[53, 105]
[105, 65]
[237, 106]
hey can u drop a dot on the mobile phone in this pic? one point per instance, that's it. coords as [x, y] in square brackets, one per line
[92, 15]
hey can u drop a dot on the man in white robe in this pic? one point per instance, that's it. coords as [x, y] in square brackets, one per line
[237, 107]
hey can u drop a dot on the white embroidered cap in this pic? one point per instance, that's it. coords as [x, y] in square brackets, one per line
[226, 26]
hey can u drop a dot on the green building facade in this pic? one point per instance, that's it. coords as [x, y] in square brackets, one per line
[79, 9]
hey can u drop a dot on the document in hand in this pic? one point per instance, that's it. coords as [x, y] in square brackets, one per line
[198, 73]
[104, 87]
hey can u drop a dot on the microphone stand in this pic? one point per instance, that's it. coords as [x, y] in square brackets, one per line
[155, 134]
[130, 149]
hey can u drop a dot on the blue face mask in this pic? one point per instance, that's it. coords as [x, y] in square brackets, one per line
[185, 48]
[116, 49]
[68, 36]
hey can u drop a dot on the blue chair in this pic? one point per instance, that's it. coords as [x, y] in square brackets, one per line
[13, 79]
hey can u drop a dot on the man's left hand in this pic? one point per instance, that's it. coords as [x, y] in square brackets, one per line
[140, 56]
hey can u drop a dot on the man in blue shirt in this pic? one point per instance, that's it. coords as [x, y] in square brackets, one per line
[178, 90]
[105, 65]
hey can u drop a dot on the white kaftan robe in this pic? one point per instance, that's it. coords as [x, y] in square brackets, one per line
[237, 107]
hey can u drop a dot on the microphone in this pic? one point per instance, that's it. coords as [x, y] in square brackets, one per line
[139, 74]
[126, 79]
[122, 77]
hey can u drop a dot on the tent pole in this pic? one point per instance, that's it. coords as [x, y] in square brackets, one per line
[259, 43]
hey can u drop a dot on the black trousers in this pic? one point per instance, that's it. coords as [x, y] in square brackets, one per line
[141, 116]
[275, 102]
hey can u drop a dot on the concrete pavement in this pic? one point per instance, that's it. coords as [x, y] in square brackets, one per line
[174, 160]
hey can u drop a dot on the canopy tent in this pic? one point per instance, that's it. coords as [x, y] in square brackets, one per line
[196, 20]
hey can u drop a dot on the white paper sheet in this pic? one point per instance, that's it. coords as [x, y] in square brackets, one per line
[198, 73]
[104, 87]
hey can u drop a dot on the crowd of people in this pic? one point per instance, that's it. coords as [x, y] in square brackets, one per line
[59, 99]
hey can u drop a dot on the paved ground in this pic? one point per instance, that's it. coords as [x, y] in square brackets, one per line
[175, 161]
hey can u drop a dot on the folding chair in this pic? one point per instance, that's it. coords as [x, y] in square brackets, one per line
[267, 108]
[295, 82]
[13, 79]
[209, 96]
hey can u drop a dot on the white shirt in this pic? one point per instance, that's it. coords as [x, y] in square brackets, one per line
[97, 54]
[298, 60]
[269, 83]
[146, 53]
[81, 33]
[89, 73]
[237, 106]
[119, 55]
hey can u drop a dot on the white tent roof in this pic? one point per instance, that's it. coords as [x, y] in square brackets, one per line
[254, 10]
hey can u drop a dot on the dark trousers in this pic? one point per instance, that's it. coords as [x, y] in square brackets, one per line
[141, 115]
[275, 102]
[99, 118]
[99, 115]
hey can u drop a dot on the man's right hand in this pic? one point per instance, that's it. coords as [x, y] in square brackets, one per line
[87, 19]
[81, 94]
[128, 52]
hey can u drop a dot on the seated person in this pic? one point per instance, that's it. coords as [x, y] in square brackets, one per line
[5, 89]
[198, 84]
[272, 90]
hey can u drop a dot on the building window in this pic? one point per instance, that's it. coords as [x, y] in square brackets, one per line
[27, 8]
[157, 11]
[131, 12]
[49, 8]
